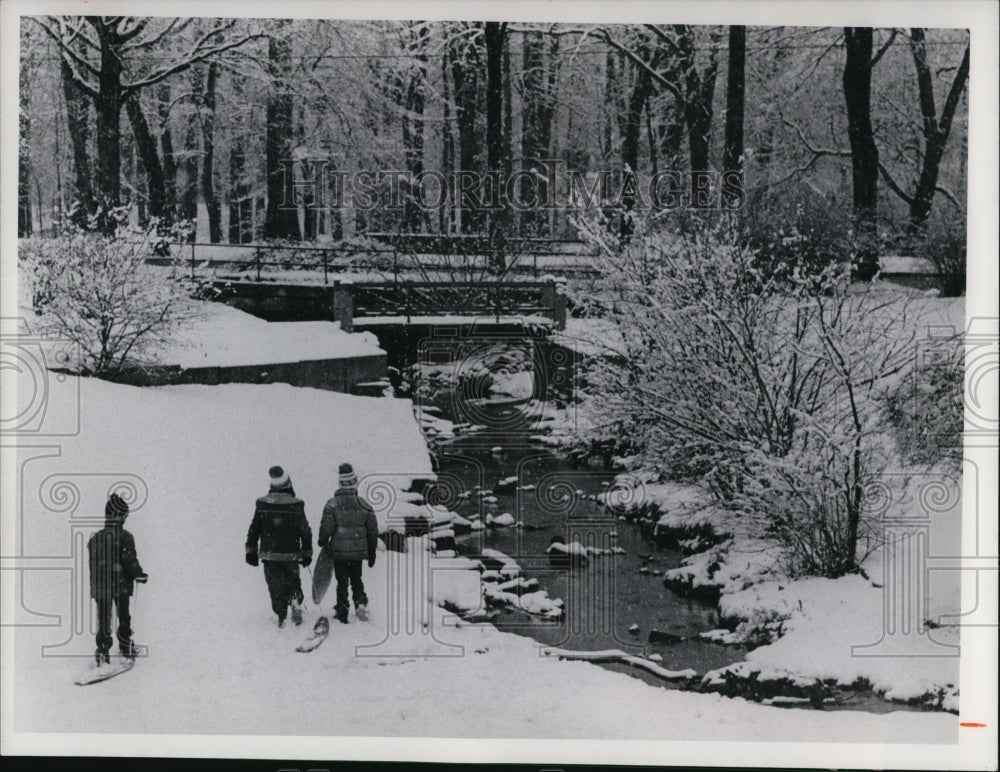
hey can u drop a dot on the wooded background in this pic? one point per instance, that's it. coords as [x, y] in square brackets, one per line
[188, 119]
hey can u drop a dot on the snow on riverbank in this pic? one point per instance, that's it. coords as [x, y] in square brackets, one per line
[818, 629]
[218, 664]
[221, 336]
[814, 629]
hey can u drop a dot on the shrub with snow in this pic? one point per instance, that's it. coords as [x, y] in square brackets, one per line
[768, 388]
[97, 291]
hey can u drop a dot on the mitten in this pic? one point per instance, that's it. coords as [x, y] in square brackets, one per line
[307, 558]
[252, 559]
[142, 578]
[371, 561]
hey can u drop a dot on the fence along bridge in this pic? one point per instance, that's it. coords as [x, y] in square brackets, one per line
[282, 282]
[409, 301]
[413, 256]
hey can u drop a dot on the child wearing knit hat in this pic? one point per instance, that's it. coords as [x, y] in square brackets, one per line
[280, 536]
[348, 536]
[114, 568]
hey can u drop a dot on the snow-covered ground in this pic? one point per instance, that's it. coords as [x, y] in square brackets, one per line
[217, 662]
[218, 336]
[218, 665]
[839, 631]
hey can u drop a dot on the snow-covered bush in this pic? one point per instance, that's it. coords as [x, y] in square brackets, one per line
[770, 389]
[97, 291]
[797, 230]
[927, 410]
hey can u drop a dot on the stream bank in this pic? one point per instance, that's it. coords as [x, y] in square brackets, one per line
[646, 576]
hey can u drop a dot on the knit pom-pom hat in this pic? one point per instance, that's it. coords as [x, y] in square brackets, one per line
[348, 479]
[280, 480]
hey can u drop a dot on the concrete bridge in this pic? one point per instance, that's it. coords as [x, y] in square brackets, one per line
[403, 301]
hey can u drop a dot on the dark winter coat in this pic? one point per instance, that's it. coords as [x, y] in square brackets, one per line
[348, 530]
[113, 562]
[279, 525]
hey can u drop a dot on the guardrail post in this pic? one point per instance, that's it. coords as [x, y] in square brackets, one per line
[343, 306]
[192, 261]
[325, 260]
[256, 257]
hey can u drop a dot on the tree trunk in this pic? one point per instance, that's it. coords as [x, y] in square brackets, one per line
[670, 133]
[108, 105]
[508, 118]
[24, 224]
[699, 92]
[857, 82]
[240, 201]
[146, 146]
[608, 120]
[445, 218]
[735, 100]
[466, 63]
[169, 160]
[310, 222]
[189, 175]
[633, 123]
[78, 121]
[280, 222]
[414, 218]
[538, 99]
[494, 35]
[935, 132]
[212, 203]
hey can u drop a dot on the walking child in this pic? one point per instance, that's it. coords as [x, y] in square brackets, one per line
[280, 529]
[114, 567]
[348, 535]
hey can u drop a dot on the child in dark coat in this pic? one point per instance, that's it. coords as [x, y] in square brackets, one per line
[348, 533]
[280, 528]
[114, 567]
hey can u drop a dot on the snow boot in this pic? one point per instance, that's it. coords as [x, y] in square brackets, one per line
[362, 612]
[296, 614]
[129, 650]
[103, 657]
[281, 620]
[322, 626]
[341, 615]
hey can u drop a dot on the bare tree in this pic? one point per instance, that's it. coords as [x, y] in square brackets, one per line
[935, 130]
[857, 82]
[538, 85]
[282, 217]
[735, 99]
[104, 57]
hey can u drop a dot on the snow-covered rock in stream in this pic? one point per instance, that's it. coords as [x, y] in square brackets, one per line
[500, 521]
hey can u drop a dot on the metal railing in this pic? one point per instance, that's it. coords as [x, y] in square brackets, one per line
[385, 257]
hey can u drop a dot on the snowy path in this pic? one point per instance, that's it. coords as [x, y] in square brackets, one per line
[217, 662]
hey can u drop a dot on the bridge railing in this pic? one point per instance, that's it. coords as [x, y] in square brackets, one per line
[346, 302]
[411, 299]
[532, 257]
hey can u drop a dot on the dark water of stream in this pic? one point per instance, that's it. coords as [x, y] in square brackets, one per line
[611, 601]
[614, 601]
